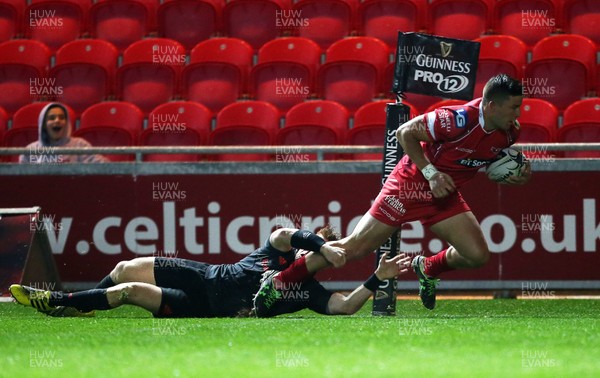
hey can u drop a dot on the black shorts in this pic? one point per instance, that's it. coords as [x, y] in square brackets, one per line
[183, 288]
[309, 294]
[318, 296]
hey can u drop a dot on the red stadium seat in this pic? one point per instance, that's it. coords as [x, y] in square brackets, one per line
[324, 21]
[56, 22]
[122, 22]
[583, 111]
[539, 121]
[28, 116]
[23, 73]
[25, 51]
[179, 123]
[150, 71]
[581, 124]
[111, 124]
[582, 17]
[353, 71]
[246, 123]
[318, 122]
[463, 19]
[322, 113]
[254, 21]
[11, 18]
[369, 127]
[528, 20]
[383, 19]
[284, 75]
[85, 70]
[422, 102]
[443, 103]
[25, 127]
[4, 118]
[562, 69]
[189, 21]
[300, 50]
[539, 124]
[499, 53]
[217, 72]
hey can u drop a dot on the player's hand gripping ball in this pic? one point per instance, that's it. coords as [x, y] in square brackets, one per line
[510, 161]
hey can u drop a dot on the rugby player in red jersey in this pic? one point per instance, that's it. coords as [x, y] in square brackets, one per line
[443, 150]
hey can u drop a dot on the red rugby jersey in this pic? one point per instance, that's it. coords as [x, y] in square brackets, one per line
[460, 145]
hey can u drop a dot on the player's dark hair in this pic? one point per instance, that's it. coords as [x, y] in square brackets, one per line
[500, 87]
[328, 233]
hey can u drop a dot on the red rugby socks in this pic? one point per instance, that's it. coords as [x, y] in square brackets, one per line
[296, 272]
[436, 264]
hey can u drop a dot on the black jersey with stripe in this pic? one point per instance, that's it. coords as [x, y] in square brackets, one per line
[231, 287]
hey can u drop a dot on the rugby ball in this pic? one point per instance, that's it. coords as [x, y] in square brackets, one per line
[510, 161]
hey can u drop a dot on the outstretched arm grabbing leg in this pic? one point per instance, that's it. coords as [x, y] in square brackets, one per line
[387, 269]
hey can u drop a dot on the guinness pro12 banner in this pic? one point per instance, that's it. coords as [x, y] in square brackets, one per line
[435, 66]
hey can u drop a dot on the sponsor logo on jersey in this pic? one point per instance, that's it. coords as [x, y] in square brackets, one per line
[282, 260]
[473, 163]
[467, 150]
[444, 117]
[460, 117]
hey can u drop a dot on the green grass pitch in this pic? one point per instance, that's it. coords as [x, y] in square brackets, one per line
[460, 338]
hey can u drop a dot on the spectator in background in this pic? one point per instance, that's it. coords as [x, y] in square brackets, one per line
[54, 128]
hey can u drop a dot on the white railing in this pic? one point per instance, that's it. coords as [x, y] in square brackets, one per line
[320, 151]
